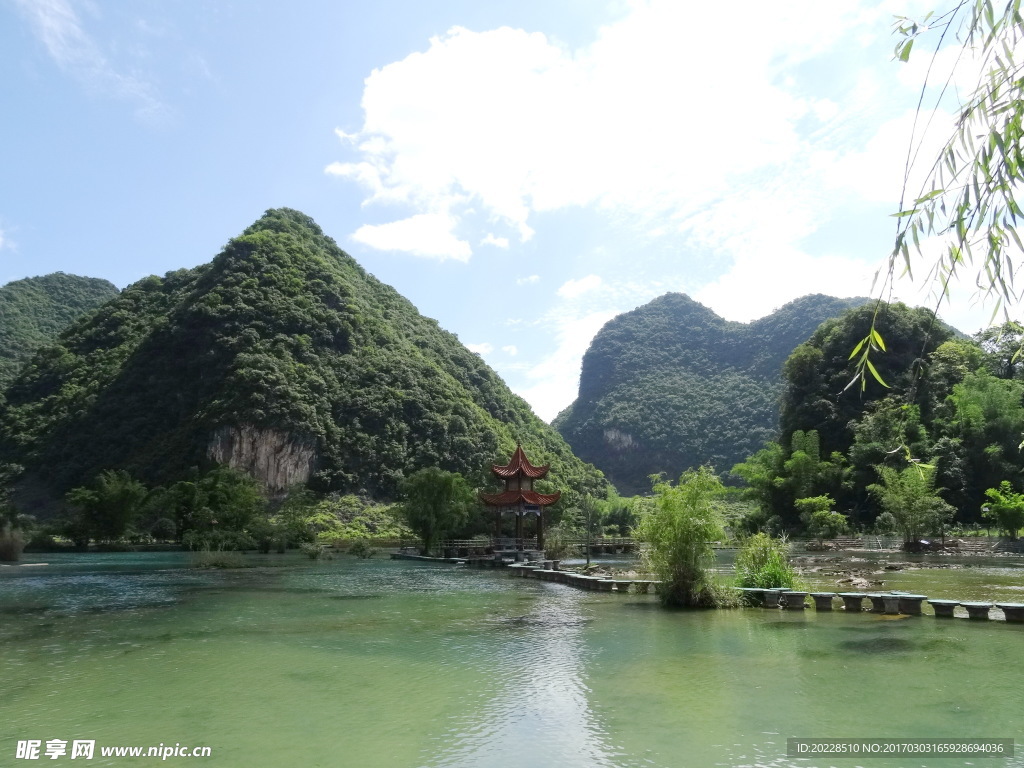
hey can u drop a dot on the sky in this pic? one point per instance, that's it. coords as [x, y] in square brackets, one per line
[522, 172]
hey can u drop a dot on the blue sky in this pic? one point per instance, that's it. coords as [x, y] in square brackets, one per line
[521, 171]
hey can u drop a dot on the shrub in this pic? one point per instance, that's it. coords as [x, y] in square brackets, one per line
[885, 523]
[762, 563]
[682, 526]
[361, 548]
[556, 543]
[1005, 508]
[315, 551]
[163, 529]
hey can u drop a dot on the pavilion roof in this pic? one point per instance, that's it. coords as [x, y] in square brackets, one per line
[511, 498]
[520, 465]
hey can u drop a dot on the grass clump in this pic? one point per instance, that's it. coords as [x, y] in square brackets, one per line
[762, 563]
[218, 559]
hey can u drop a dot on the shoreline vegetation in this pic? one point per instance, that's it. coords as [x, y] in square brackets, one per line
[280, 398]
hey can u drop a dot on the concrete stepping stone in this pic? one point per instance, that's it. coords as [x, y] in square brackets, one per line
[977, 610]
[794, 600]
[944, 608]
[822, 600]
[1013, 612]
[877, 602]
[751, 595]
[852, 600]
[911, 604]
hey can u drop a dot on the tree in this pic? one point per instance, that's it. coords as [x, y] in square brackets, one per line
[968, 199]
[110, 505]
[435, 502]
[909, 495]
[827, 524]
[234, 497]
[776, 478]
[1000, 346]
[1005, 508]
[680, 529]
[819, 518]
[818, 395]
[985, 417]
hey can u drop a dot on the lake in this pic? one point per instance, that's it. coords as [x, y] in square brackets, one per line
[387, 663]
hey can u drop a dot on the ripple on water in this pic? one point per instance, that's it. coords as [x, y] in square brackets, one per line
[450, 667]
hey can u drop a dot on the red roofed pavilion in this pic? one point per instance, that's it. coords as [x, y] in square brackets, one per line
[519, 496]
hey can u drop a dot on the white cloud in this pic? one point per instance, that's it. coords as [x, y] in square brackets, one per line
[573, 289]
[60, 30]
[528, 280]
[964, 305]
[876, 172]
[510, 350]
[497, 242]
[511, 123]
[364, 173]
[555, 379]
[755, 285]
[425, 234]
[481, 349]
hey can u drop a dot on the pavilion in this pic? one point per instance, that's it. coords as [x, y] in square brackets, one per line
[519, 497]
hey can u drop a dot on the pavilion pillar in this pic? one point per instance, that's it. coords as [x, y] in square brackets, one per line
[497, 524]
[540, 529]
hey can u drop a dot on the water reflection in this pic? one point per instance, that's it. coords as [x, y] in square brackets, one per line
[539, 713]
[395, 664]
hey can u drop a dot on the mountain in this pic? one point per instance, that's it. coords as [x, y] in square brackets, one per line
[282, 357]
[672, 385]
[34, 310]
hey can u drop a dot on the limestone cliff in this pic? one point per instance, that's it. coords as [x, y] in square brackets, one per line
[276, 458]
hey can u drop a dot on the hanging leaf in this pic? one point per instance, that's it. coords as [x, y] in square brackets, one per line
[874, 372]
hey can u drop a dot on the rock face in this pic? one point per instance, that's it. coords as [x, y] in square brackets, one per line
[277, 459]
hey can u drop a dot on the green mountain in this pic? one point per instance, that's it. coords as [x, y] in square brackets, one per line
[282, 357]
[34, 310]
[672, 385]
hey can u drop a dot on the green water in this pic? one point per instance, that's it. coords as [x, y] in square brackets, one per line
[382, 663]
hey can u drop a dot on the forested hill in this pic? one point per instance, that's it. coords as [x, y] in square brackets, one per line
[283, 357]
[672, 385]
[34, 310]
